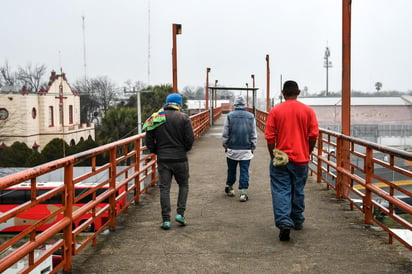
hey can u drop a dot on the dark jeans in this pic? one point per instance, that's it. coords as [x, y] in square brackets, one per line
[243, 174]
[288, 198]
[180, 170]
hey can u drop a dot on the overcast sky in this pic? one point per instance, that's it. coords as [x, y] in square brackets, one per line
[232, 37]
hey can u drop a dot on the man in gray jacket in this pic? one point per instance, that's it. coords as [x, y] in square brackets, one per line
[170, 136]
[239, 140]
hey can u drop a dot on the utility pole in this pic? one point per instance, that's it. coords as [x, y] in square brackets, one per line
[327, 64]
[84, 49]
[138, 106]
[176, 30]
[148, 43]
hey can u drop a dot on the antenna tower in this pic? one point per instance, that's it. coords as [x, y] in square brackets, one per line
[148, 42]
[84, 48]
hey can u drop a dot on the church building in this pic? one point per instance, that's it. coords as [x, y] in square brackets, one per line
[35, 118]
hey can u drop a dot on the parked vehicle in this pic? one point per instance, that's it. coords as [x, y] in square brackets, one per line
[15, 196]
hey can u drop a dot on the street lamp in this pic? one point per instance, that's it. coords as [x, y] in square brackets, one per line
[207, 88]
[247, 95]
[253, 92]
[327, 64]
[176, 29]
[139, 112]
[267, 84]
[139, 107]
[215, 93]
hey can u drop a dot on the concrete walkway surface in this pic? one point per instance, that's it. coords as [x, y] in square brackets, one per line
[224, 235]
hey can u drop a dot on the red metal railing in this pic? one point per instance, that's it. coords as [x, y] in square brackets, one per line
[261, 119]
[376, 181]
[128, 168]
[125, 165]
[200, 123]
[217, 112]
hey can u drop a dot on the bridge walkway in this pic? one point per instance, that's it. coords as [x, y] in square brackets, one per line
[224, 235]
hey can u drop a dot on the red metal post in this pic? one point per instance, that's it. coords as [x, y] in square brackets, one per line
[112, 185]
[319, 153]
[176, 29]
[346, 65]
[369, 170]
[215, 94]
[346, 89]
[207, 88]
[247, 95]
[267, 84]
[68, 230]
[253, 93]
[137, 167]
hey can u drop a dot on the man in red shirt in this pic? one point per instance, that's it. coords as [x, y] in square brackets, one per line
[291, 133]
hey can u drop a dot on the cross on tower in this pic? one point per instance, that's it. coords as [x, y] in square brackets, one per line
[60, 97]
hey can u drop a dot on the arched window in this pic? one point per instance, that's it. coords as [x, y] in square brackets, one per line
[51, 118]
[70, 114]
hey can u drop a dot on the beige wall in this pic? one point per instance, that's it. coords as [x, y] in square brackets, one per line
[22, 126]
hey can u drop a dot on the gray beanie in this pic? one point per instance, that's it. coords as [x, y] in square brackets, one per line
[240, 101]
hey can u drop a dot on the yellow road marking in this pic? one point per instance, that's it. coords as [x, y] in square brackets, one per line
[382, 185]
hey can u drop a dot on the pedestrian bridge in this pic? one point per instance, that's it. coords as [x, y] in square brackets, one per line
[354, 221]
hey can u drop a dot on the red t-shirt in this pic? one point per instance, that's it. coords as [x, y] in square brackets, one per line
[290, 126]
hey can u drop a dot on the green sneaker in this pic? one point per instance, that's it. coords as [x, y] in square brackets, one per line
[165, 225]
[243, 195]
[180, 219]
[229, 190]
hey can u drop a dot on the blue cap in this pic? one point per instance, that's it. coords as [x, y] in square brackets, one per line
[174, 98]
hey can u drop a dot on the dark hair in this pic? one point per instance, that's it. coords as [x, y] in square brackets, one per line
[290, 88]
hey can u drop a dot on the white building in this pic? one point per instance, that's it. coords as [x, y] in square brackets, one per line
[37, 118]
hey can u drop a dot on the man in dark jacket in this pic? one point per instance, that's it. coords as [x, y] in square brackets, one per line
[170, 136]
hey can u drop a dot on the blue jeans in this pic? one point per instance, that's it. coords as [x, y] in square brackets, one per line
[287, 184]
[243, 174]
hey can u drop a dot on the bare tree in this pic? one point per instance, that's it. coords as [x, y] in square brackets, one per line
[104, 91]
[31, 76]
[189, 92]
[88, 101]
[137, 85]
[7, 77]
[200, 93]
